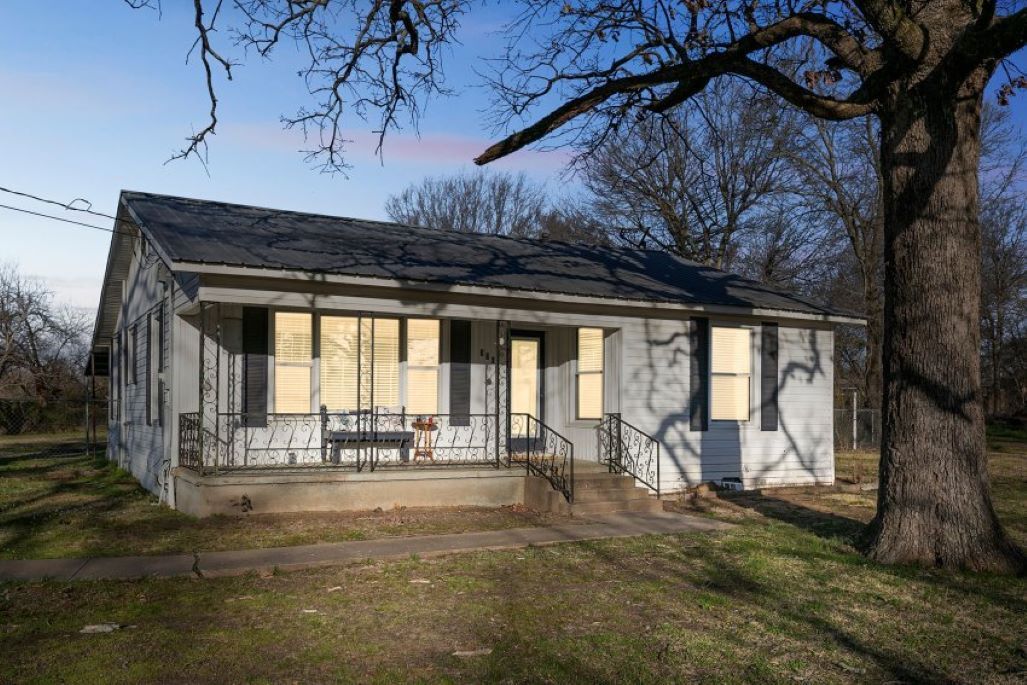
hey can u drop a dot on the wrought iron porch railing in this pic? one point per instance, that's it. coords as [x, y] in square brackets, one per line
[626, 449]
[189, 441]
[359, 440]
[544, 452]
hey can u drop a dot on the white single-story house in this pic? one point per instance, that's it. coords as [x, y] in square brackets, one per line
[267, 360]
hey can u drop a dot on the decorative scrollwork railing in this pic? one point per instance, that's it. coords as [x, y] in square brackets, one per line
[626, 449]
[189, 441]
[544, 452]
[359, 440]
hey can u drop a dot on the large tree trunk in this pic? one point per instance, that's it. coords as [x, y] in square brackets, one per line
[934, 502]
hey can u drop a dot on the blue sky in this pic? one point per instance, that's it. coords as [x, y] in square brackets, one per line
[97, 96]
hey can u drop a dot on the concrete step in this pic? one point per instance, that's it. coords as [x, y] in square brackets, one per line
[647, 504]
[597, 492]
[609, 494]
[599, 481]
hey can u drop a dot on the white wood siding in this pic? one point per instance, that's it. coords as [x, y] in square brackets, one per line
[139, 446]
[646, 379]
[655, 395]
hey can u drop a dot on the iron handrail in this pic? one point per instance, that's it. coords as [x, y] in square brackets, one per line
[548, 454]
[624, 448]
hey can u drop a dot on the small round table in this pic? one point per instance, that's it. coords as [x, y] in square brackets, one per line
[422, 439]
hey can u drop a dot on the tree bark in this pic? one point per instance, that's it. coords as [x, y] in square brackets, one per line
[934, 501]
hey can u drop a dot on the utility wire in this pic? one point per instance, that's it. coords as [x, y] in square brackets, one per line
[58, 218]
[69, 206]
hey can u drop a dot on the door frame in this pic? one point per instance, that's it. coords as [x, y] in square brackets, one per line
[540, 336]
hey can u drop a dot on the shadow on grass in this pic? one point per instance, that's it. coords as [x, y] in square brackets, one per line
[747, 585]
[66, 507]
[827, 525]
[834, 527]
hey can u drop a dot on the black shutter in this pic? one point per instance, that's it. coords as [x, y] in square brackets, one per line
[254, 347]
[460, 373]
[698, 406]
[768, 378]
[162, 364]
[148, 369]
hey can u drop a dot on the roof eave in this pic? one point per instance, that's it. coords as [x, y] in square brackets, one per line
[492, 291]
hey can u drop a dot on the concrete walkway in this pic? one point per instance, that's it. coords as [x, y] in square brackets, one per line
[208, 564]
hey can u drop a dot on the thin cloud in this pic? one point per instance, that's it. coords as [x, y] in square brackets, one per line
[435, 149]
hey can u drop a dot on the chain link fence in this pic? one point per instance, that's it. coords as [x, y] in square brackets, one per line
[859, 430]
[30, 428]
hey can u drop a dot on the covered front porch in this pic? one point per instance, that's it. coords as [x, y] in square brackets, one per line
[319, 391]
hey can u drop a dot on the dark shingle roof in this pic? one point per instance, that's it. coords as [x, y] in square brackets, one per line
[209, 232]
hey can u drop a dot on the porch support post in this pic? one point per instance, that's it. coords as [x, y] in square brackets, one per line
[200, 389]
[217, 386]
[495, 392]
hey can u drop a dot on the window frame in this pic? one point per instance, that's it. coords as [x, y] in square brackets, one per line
[317, 382]
[748, 374]
[152, 369]
[578, 373]
[133, 354]
[272, 385]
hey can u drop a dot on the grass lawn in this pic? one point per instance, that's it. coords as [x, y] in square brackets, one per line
[781, 598]
[77, 506]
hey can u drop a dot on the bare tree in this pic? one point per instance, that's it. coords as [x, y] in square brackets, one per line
[690, 182]
[841, 171]
[42, 344]
[478, 201]
[919, 66]
[1004, 304]
[786, 247]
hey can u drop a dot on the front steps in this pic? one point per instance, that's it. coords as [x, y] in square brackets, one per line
[596, 491]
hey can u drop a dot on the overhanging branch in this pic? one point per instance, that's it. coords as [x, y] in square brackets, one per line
[691, 77]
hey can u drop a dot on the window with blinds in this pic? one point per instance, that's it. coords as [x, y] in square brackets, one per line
[293, 362]
[386, 361]
[348, 346]
[589, 385]
[423, 366]
[730, 369]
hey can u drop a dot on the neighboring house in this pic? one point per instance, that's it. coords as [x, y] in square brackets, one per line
[268, 360]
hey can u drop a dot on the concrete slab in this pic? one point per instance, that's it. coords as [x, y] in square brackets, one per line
[308, 556]
[37, 569]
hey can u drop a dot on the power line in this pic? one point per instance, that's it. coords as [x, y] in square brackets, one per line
[70, 206]
[58, 218]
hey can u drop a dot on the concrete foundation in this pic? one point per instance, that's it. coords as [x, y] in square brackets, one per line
[322, 490]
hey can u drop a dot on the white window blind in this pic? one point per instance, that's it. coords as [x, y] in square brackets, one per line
[730, 367]
[590, 373]
[346, 353]
[293, 362]
[339, 362]
[422, 366]
[386, 362]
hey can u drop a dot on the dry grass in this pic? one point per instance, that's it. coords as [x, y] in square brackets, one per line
[767, 602]
[77, 506]
[781, 598]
